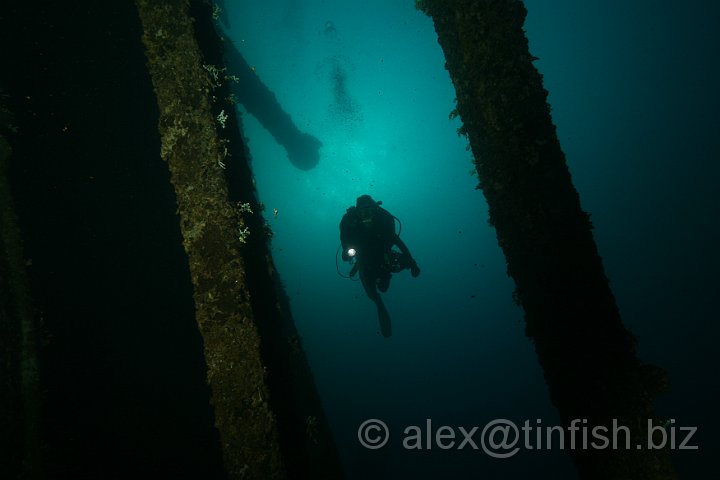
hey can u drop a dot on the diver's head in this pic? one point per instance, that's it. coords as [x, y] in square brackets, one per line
[366, 207]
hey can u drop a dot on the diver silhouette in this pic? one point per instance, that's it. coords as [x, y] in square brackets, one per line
[367, 235]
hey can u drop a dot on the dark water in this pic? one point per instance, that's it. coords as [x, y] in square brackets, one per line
[632, 90]
[122, 367]
[632, 86]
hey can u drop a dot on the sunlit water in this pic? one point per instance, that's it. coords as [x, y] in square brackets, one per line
[458, 354]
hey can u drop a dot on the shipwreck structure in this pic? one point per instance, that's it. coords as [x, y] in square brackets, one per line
[148, 287]
[588, 356]
[250, 347]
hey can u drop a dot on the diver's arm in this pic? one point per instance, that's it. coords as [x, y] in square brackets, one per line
[396, 240]
[401, 245]
[344, 230]
[345, 236]
[412, 264]
[388, 226]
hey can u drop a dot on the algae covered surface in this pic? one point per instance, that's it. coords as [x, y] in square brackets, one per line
[588, 356]
[210, 227]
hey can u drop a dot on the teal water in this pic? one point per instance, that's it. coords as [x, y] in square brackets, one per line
[632, 90]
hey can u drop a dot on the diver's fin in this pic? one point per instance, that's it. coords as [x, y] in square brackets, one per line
[384, 317]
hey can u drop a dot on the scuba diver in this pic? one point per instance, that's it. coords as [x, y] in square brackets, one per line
[367, 235]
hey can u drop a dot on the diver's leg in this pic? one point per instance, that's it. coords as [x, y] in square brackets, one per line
[383, 283]
[384, 318]
[369, 284]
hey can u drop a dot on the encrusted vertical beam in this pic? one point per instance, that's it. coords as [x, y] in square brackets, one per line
[588, 356]
[212, 236]
[20, 442]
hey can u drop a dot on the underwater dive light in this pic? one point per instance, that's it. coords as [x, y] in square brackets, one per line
[351, 252]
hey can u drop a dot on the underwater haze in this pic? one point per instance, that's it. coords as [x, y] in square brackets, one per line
[632, 87]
